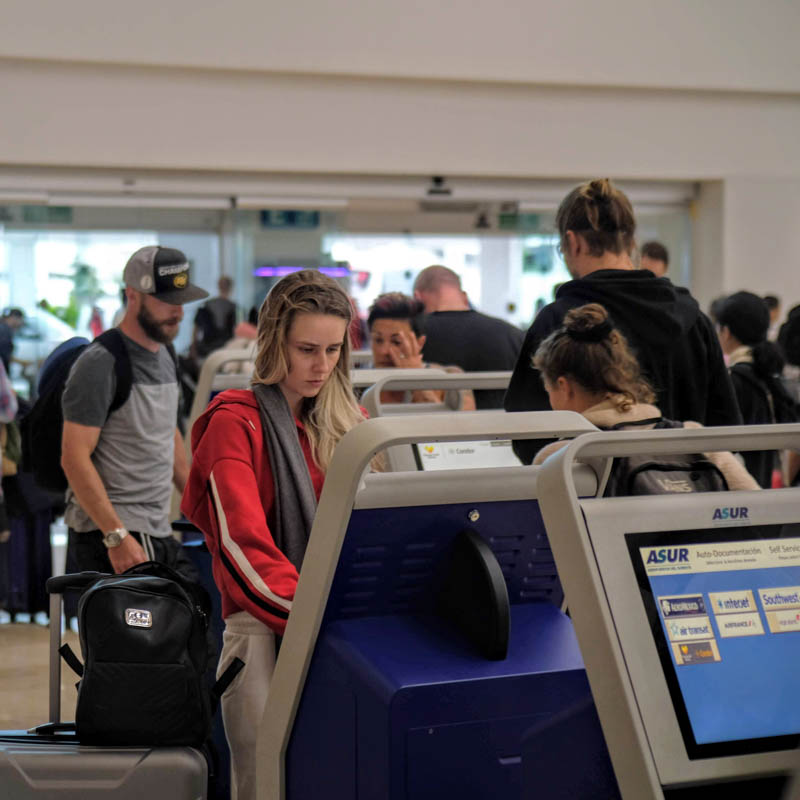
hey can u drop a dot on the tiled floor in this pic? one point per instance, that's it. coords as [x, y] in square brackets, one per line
[24, 677]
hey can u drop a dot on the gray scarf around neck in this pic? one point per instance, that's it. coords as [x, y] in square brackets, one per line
[295, 501]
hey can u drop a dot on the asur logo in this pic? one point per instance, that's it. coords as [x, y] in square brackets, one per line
[730, 512]
[668, 554]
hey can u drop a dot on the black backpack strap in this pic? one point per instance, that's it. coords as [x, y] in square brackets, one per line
[66, 652]
[113, 342]
[621, 426]
[174, 356]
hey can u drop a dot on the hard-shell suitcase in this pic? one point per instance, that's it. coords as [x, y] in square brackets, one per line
[49, 762]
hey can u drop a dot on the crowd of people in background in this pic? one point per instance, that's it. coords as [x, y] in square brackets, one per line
[619, 343]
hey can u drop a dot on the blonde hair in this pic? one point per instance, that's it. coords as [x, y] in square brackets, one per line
[334, 411]
[590, 351]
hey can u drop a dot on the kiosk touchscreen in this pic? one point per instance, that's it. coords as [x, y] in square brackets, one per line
[706, 602]
[724, 611]
[687, 609]
[432, 456]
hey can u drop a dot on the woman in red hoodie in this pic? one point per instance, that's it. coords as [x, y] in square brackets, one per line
[259, 462]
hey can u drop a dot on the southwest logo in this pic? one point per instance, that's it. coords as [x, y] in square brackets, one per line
[730, 513]
[668, 554]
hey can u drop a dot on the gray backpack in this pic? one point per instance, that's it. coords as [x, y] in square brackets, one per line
[671, 474]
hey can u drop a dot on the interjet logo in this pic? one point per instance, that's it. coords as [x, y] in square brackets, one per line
[729, 512]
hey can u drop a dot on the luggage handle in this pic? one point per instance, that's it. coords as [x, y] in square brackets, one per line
[51, 728]
[77, 580]
[56, 586]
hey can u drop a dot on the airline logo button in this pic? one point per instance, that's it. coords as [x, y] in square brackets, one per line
[681, 630]
[733, 602]
[779, 598]
[682, 605]
[739, 625]
[695, 652]
[785, 621]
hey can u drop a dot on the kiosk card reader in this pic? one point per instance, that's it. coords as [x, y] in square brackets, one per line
[687, 610]
[426, 635]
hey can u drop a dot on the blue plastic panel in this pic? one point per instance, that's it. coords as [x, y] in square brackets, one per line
[389, 557]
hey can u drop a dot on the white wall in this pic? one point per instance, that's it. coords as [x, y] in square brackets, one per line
[762, 237]
[730, 44]
[131, 117]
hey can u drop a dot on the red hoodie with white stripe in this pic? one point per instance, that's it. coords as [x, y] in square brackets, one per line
[229, 496]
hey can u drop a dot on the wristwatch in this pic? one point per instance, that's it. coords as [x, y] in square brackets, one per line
[114, 538]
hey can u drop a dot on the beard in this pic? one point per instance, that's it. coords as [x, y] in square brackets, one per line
[155, 329]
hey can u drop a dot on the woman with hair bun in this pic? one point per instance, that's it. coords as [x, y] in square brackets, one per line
[587, 366]
[755, 365]
[259, 461]
[674, 341]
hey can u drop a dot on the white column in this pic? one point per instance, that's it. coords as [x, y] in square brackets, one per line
[500, 276]
[747, 236]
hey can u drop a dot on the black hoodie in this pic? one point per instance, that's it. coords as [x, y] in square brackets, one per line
[674, 341]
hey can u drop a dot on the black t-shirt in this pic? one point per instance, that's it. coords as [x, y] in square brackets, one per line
[474, 342]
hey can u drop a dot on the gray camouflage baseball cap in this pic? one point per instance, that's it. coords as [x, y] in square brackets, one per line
[162, 272]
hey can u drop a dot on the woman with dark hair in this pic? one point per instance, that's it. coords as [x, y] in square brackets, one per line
[674, 341]
[259, 461]
[755, 365]
[587, 366]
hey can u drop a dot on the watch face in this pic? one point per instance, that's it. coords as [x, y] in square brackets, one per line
[112, 539]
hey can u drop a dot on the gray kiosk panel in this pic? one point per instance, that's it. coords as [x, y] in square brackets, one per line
[687, 610]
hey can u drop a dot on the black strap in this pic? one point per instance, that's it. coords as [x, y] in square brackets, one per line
[65, 651]
[226, 679]
[113, 341]
[633, 423]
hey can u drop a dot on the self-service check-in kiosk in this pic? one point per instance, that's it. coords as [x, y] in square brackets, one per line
[426, 636]
[687, 610]
[433, 456]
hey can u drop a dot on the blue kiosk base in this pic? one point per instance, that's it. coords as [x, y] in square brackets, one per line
[435, 721]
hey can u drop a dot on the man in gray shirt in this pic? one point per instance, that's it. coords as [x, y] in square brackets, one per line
[121, 466]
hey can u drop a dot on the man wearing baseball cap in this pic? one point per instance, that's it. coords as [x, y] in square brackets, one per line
[122, 460]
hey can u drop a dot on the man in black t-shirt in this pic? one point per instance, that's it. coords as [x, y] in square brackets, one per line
[459, 335]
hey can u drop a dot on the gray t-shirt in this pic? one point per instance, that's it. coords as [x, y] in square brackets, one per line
[135, 452]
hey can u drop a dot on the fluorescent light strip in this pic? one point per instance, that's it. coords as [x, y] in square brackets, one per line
[139, 201]
[280, 272]
[291, 203]
[23, 198]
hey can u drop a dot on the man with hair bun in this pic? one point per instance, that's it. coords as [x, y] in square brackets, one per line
[674, 341]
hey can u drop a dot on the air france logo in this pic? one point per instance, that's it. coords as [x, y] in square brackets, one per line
[730, 513]
[670, 555]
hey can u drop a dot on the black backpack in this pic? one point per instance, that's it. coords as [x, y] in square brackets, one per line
[41, 428]
[671, 474]
[145, 653]
[212, 336]
[781, 405]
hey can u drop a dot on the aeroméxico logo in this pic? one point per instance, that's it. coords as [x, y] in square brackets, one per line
[729, 512]
[668, 554]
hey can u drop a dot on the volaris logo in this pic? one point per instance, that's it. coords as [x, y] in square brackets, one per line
[729, 512]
